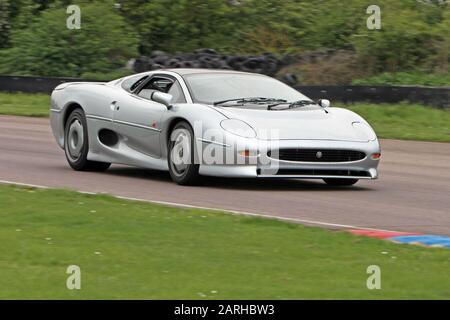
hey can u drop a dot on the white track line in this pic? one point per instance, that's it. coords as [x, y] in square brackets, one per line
[188, 206]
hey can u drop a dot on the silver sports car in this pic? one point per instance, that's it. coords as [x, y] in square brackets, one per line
[194, 123]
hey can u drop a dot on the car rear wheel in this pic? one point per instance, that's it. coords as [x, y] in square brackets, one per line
[340, 182]
[182, 167]
[76, 144]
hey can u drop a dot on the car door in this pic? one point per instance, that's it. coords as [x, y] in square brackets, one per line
[138, 119]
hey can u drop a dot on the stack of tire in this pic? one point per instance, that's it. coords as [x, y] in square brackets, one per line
[267, 64]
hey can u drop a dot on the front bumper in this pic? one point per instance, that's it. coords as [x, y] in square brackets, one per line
[260, 165]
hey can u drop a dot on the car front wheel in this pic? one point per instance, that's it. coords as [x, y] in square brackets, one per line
[182, 167]
[76, 144]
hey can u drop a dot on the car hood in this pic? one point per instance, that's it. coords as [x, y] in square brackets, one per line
[300, 124]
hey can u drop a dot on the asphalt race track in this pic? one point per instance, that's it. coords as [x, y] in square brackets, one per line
[412, 194]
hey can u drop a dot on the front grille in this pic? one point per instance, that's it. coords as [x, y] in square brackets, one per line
[318, 172]
[317, 155]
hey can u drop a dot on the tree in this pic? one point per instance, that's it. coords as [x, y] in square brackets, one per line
[272, 24]
[441, 44]
[404, 42]
[5, 25]
[23, 13]
[184, 25]
[48, 48]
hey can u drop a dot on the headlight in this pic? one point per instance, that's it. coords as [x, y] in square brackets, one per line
[238, 127]
[365, 130]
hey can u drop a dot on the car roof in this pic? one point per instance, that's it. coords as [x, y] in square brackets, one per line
[189, 71]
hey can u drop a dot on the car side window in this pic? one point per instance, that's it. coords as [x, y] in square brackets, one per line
[177, 93]
[132, 83]
[162, 84]
[165, 85]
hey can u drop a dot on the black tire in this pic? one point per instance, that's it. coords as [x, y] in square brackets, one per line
[189, 175]
[340, 182]
[76, 150]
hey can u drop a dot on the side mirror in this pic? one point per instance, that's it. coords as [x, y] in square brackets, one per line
[324, 103]
[163, 98]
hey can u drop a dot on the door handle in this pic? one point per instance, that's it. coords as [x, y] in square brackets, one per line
[114, 106]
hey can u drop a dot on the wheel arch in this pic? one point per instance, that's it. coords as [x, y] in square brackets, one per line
[70, 107]
[166, 133]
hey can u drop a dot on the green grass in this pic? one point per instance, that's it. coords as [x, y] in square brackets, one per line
[406, 121]
[419, 78]
[138, 250]
[390, 121]
[24, 104]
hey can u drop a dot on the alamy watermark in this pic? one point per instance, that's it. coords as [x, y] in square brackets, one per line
[73, 281]
[73, 22]
[374, 280]
[238, 146]
[374, 20]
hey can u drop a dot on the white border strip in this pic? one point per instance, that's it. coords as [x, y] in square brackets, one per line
[188, 206]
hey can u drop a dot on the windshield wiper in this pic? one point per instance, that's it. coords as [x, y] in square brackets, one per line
[291, 105]
[251, 100]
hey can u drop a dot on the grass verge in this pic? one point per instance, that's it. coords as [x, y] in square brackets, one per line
[390, 121]
[415, 78]
[24, 104]
[406, 121]
[134, 250]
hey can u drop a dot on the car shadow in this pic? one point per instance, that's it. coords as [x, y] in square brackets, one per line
[139, 173]
[273, 184]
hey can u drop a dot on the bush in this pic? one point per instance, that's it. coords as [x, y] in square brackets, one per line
[314, 68]
[5, 23]
[47, 48]
[183, 25]
[407, 38]
[414, 34]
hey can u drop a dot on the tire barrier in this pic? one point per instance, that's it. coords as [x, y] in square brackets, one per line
[207, 58]
[436, 97]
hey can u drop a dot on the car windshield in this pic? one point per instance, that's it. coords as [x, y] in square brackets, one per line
[214, 88]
